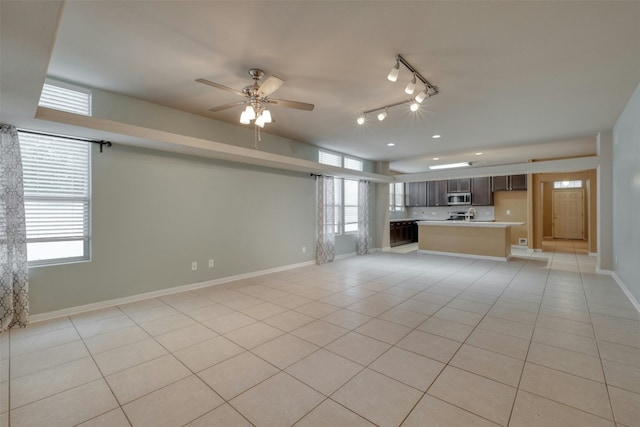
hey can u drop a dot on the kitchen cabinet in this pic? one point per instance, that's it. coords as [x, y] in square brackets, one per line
[403, 232]
[510, 183]
[481, 194]
[461, 185]
[415, 194]
[437, 193]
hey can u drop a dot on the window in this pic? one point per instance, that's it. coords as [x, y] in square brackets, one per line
[346, 192]
[57, 198]
[66, 97]
[396, 197]
[567, 184]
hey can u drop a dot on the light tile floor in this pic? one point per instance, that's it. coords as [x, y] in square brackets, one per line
[385, 339]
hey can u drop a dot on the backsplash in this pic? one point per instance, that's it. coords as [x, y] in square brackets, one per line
[484, 213]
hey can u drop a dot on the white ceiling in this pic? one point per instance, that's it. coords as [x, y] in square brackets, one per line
[518, 80]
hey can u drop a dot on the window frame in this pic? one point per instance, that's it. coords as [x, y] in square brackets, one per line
[393, 197]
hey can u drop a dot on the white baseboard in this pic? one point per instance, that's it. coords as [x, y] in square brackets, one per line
[159, 293]
[624, 288]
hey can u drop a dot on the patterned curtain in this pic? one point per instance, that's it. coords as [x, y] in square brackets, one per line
[325, 248]
[363, 217]
[14, 281]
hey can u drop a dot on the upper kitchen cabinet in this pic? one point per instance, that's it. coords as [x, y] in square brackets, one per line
[437, 193]
[481, 194]
[461, 185]
[510, 183]
[415, 194]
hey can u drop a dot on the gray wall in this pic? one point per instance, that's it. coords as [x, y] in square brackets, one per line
[626, 195]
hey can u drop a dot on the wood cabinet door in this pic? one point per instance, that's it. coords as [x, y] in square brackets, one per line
[437, 193]
[500, 183]
[518, 182]
[415, 194]
[481, 194]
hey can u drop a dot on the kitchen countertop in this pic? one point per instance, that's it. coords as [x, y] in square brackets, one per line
[490, 224]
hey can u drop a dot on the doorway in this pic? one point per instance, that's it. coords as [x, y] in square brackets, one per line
[568, 214]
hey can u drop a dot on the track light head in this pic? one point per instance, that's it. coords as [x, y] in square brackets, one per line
[421, 96]
[411, 87]
[361, 119]
[395, 72]
[382, 115]
[414, 106]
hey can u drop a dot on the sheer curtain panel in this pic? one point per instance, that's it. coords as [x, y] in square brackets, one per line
[14, 281]
[363, 217]
[325, 247]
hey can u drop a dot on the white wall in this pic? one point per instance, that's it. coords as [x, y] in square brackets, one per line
[626, 195]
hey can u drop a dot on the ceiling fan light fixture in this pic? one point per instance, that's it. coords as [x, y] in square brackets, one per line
[382, 115]
[260, 121]
[244, 118]
[251, 113]
[266, 116]
[411, 87]
[395, 72]
[361, 119]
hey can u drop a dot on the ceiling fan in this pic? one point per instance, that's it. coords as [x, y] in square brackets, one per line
[257, 98]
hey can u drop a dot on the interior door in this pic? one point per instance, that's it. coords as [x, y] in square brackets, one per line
[568, 214]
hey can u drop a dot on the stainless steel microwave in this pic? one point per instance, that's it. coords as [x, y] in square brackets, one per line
[454, 199]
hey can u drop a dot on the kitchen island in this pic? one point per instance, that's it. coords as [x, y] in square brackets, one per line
[477, 239]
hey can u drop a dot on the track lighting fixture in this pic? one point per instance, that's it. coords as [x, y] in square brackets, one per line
[395, 71]
[414, 104]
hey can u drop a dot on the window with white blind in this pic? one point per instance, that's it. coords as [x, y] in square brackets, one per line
[66, 97]
[345, 192]
[567, 184]
[57, 198]
[396, 197]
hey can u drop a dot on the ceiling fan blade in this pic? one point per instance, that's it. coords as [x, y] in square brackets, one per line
[226, 106]
[269, 86]
[219, 86]
[292, 104]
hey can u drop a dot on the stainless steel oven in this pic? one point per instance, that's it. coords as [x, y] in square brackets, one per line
[454, 199]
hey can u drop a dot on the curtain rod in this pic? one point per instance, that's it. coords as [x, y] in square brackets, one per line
[93, 141]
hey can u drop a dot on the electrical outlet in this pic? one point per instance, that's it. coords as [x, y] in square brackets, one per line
[211, 263]
[194, 265]
[304, 249]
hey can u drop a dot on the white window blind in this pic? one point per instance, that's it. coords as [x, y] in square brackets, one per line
[567, 184]
[354, 164]
[57, 197]
[66, 98]
[350, 206]
[330, 159]
[396, 196]
[346, 192]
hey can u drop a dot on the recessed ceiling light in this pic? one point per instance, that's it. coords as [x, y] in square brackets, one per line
[391, 144]
[436, 136]
[451, 165]
[436, 158]
[478, 154]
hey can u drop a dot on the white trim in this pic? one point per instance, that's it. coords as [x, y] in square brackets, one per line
[485, 257]
[159, 293]
[627, 292]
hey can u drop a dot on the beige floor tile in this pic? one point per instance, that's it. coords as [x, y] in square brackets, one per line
[4, 396]
[208, 312]
[329, 413]
[499, 343]
[565, 325]
[208, 353]
[142, 305]
[319, 332]
[370, 308]
[622, 376]
[565, 360]
[461, 316]
[284, 350]
[229, 322]
[280, 400]
[235, 375]
[432, 412]
[506, 327]
[316, 309]
[41, 384]
[167, 324]
[378, 398]
[289, 320]
[29, 343]
[407, 367]
[157, 312]
[384, 330]
[223, 416]
[67, 408]
[253, 335]
[96, 315]
[174, 405]
[129, 355]
[446, 328]
[468, 305]
[264, 310]
[626, 406]
[185, 337]
[142, 379]
[489, 364]
[430, 345]
[30, 363]
[37, 328]
[89, 329]
[513, 314]
[435, 298]
[347, 319]
[577, 392]
[111, 340]
[292, 301]
[567, 341]
[421, 307]
[324, 371]
[481, 396]
[243, 302]
[114, 418]
[406, 318]
[359, 348]
[534, 411]
[620, 353]
[339, 300]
